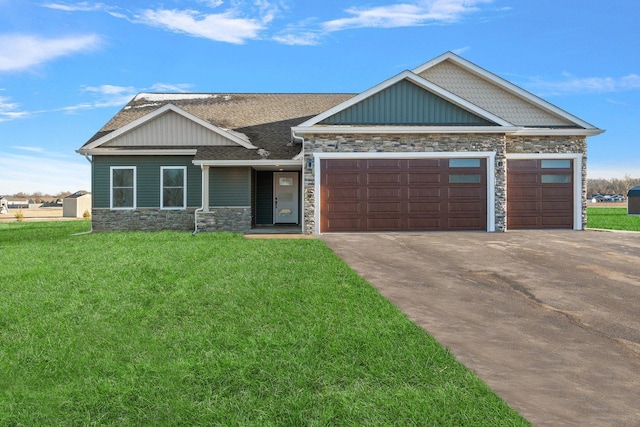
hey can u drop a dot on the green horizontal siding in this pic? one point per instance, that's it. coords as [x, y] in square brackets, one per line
[147, 178]
[407, 104]
[230, 186]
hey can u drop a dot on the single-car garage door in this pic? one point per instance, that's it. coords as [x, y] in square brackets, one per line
[539, 193]
[403, 194]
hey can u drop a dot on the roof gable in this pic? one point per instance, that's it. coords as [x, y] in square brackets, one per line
[495, 94]
[436, 101]
[404, 103]
[170, 126]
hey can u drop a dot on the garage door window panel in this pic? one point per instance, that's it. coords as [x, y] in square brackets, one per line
[464, 163]
[555, 179]
[464, 178]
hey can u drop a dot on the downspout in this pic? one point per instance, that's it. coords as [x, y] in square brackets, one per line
[90, 160]
[201, 208]
[304, 202]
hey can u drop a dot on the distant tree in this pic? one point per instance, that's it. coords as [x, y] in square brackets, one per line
[611, 186]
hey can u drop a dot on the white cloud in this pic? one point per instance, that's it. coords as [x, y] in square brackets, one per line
[572, 84]
[31, 149]
[23, 51]
[408, 14]
[77, 7]
[222, 27]
[170, 87]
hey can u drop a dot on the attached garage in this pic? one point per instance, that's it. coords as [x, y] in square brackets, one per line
[403, 194]
[540, 193]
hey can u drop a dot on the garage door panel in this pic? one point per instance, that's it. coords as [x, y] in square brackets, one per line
[424, 163]
[467, 192]
[431, 208]
[344, 207]
[424, 178]
[384, 178]
[387, 207]
[424, 192]
[535, 201]
[401, 194]
[341, 164]
[557, 192]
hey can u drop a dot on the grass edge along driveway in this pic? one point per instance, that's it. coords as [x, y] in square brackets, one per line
[169, 329]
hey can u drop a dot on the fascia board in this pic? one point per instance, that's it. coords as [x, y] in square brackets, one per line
[404, 129]
[246, 162]
[558, 132]
[425, 84]
[508, 86]
[168, 107]
[139, 152]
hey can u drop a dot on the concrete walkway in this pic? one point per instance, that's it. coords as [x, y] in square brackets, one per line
[549, 320]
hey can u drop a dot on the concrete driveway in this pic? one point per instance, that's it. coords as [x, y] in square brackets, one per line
[550, 320]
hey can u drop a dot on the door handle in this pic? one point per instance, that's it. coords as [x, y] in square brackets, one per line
[276, 202]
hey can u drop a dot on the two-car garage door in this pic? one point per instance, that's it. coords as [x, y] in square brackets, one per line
[403, 194]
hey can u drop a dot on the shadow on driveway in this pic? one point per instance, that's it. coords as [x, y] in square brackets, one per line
[550, 320]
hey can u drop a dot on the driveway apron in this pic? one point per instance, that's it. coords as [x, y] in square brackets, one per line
[550, 320]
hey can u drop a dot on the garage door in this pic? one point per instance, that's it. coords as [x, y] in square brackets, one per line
[403, 194]
[539, 194]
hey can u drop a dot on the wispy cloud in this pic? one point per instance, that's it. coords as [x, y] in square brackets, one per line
[10, 110]
[222, 27]
[82, 6]
[408, 14]
[29, 148]
[23, 51]
[571, 84]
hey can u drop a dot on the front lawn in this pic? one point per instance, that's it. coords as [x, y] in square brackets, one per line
[169, 329]
[612, 219]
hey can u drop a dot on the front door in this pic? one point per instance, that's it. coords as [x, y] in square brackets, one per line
[285, 198]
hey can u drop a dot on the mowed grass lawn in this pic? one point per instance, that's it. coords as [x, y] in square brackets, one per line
[171, 329]
[612, 219]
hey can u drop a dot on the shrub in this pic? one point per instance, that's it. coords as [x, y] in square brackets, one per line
[86, 214]
[19, 215]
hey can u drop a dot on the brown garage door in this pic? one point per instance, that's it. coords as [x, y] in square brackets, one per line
[403, 194]
[539, 194]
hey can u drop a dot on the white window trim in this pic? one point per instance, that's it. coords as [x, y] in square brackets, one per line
[184, 186]
[577, 178]
[135, 188]
[490, 156]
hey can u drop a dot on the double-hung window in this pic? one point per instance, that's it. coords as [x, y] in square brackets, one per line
[123, 187]
[173, 187]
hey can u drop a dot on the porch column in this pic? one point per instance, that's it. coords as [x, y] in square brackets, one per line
[205, 189]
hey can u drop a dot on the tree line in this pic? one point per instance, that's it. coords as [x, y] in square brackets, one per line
[611, 186]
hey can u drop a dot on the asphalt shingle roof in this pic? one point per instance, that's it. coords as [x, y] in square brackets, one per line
[265, 118]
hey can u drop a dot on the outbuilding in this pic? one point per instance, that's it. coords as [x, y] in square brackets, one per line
[633, 201]
[75, 205]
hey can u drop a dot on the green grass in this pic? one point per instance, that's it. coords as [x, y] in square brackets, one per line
[170, 329]
[612, 219]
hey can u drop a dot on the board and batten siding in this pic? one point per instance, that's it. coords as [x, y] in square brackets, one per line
[230, 186]
[147, 177]
[405, 103]
[169, 129]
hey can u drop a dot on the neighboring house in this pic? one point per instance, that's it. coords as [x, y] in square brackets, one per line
[76, 204]
[445, 146]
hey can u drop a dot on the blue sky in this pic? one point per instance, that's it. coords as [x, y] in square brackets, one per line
[67, 67]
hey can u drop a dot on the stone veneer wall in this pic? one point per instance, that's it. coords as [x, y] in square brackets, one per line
[364, 144]
[235, 219]
[143, 219]
[552, 145]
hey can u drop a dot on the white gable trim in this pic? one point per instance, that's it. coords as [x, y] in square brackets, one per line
[230, 135]
[414, 78]
[506, 85]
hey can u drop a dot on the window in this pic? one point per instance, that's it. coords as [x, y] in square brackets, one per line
[555, 164]
[556, 179]
[464, 179]
[464, 163]
[173, 184]
[123, 187]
